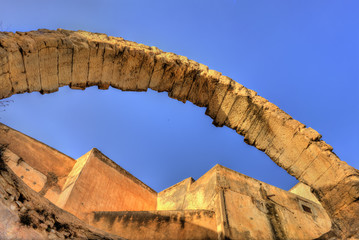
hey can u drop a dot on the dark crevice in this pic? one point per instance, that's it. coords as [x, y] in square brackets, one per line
[103, 62]
[194, 78]
[273, 217]
[23, 53]
[58, 65]
[153, 70]
[88, 65]
[220, 105]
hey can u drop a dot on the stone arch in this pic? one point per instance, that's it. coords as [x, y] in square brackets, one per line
[45, 60]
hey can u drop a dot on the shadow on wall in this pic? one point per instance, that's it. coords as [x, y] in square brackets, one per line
[169, 225]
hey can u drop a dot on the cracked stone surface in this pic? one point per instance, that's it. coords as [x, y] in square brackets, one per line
[45, 60]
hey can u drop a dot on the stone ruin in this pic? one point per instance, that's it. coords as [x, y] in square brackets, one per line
[46, 194]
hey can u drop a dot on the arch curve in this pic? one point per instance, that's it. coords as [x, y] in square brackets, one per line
[45, 60]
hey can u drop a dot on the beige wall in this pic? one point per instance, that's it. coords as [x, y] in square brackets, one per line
[190, 194]
[75, 59]
[166, 225]
[33, 178]
[260, 211]
[173, 197]
[244, 208]
[304, 190]
[102, 185]
[247, 208]
[37, 154]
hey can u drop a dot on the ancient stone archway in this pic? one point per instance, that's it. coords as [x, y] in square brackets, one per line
[45, 60]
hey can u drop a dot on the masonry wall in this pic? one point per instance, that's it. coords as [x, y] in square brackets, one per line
[260, 211]
[247, 208]
[101, 185]
[45, 60]
[159, 225]
[33, 178]
[37, 154]
[173, 197]
[40, 160]
[305, 191]
[242, 207]
[189, 194]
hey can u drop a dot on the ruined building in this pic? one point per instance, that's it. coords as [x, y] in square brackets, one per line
[46, 194]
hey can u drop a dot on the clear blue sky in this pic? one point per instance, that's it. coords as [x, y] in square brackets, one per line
[301, 55]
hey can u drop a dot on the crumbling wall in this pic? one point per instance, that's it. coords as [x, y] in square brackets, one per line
[256, 210]
[47, 164]
[166, 225]
[33, 178]
[46, 60]
[247, 208]
[24, 214]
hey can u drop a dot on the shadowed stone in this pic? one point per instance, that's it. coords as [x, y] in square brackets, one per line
[44, 60]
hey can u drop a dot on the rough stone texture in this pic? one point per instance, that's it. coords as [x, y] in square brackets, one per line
[24, 214]
[166, 225]
[33, 178]
[5, 82]
[47, 161]
[221, 204]
[247, 208]
[173, 197]
[136, 67]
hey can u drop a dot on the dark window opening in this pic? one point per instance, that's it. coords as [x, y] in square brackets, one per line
[307, 209]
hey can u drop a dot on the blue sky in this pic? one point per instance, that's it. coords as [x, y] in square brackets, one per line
[301, 55]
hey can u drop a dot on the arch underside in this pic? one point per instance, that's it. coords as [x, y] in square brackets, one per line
[45, 60]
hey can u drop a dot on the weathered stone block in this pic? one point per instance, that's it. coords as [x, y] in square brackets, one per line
[341, 195]
[158, 71]
[48, 69]
[306, 157]
[146, 70]
[5, 83]
[256, 128]
[80, 64]
[204, 86]
[97, 51]
[179, 78]
[293, 152]
[47, 43]
[108, 66]
[281, 131]
[201, 89]
[272, 129]
[173, 69]
[31, 61]
[253, 119]
[311, 133]
[227, 103]
[17, 73]
[218, 96]
[65, 52]
[338, 171]
[190, 74]
[237, 113]
[128, 65]
[318, 167]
